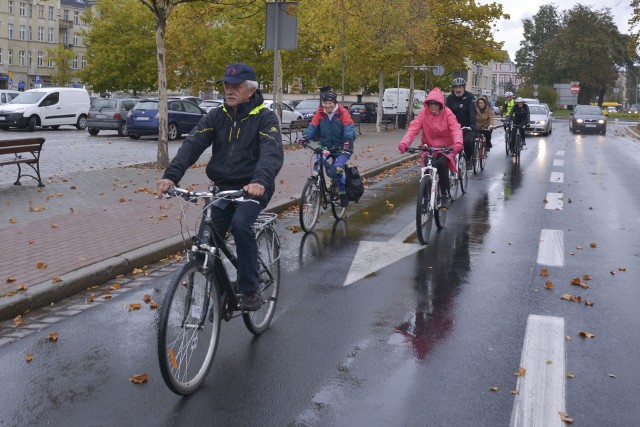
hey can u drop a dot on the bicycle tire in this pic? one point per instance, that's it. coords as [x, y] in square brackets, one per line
[337, 210]
[185, 370]
[454, 185]
[440, 215]
[424, 212]
[517, 147]
[474, 158]
[506, 142]
[483, 155]
[309, 204]
[463, 174]
[269, 257]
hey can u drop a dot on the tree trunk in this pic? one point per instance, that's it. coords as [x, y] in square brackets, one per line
[380, 96]
[163, 114]
[411, 89]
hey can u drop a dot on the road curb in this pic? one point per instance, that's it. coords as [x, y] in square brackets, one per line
[48, 292]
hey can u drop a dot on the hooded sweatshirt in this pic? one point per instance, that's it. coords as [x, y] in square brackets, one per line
[438, 130]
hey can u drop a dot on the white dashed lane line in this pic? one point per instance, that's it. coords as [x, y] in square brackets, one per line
[554, 201]
[560, 153]
[551, 248]
[558, 162]
[556, 177]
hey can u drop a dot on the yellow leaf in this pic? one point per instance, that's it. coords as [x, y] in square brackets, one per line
[593, 245]
[146, 298]
[570, 374]
[586, 334]
[119, 276]
[365, 214]
[588, 303]
[576, 281]
[11, 279]
[548, 285]
[515, 391]
[586, 277]
[122, 200]
[41, 265]
[521, 372]
[564, 417]
[295, 229]
[115, 286]
[29, 357]
[22, 287]
[544, 272]
[53, 336]
[134, 306]
[56, 279]
[18, 321]
[579, 247]
[91, 298]
[12, 221]
[54, 225]
[106, 296]
[140, 378]
[137, 271]
[622, 268]
[152, 305]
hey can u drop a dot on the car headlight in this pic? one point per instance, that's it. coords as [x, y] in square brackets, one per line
[580, 121]
[542, 122]
[601, 122]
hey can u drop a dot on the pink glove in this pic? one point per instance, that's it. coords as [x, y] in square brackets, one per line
[402, 147]
[326, 153]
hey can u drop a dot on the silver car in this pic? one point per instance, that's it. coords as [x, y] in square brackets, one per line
[540, 119]
[109, 114]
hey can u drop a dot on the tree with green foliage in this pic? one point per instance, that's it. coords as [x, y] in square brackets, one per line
[120, 47]
[533, 57]
[61, 57]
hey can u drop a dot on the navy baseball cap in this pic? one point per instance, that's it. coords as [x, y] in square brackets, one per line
[237, 73]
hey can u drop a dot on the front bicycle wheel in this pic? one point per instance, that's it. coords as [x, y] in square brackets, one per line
[506, 142]
[440, 215]
[269, 276]
[517, 147]
[424, 211]
[483, 155]
[475, 158]
[337, 210]
[463, 174]
[310, 204]
[189, 328]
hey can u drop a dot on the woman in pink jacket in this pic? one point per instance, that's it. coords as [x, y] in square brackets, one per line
[440, 128]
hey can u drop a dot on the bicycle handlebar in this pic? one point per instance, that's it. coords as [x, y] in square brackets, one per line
[318, 150]
[234, 195]
[430, 150]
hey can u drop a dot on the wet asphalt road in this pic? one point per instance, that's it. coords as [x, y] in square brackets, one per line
[418, 342]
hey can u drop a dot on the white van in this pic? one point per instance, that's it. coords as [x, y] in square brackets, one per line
[392, 99]
[7, 95]
[51, 106]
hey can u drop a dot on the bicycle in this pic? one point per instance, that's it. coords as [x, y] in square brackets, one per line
[318, 192]
[517, 144]
[428, 204]
[201, 293]
[461, 164]
[507, 132]
[479, 153]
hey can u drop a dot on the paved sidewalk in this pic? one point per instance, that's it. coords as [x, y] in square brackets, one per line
[87, 227]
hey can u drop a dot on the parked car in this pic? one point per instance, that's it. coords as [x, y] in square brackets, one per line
[633, 109]
[142, 119]
[288, 113]
[308, 107]
[208, 105]
[587, 118]
[368, 111]
[607, 110]
[109, 114]
[540, 120]
[193, 99]
[531, 101]
[7, 95]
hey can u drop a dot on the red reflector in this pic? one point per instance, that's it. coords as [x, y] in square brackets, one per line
[117, 116]
[89, 115]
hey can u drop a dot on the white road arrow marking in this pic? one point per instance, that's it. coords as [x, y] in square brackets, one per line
[374, 256]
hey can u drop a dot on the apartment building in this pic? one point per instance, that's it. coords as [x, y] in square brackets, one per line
[506, 77]
[28, 30]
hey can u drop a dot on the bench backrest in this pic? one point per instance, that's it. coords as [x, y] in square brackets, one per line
[27, 145]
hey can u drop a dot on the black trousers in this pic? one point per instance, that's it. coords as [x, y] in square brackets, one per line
[468, 139]
[442, 164]
[487, 136]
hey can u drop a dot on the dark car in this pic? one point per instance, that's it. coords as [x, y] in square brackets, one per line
[109, 114]
[588, 118]
[143, 118]
[368, 111]
[308, 107]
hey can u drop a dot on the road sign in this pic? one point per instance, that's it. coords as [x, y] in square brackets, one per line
[37, 79]
[438, 70]
[535, 93]
[575, 88]
[10, 82]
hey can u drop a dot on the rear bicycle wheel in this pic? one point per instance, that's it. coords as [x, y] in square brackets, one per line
[475, 158]
[454, 185]
[424, 212]
[483, 155]
[506, 142]
[463, 175]
[189, 329]
[269, 262]
[309, 204]
[439, 214]
[337, 210]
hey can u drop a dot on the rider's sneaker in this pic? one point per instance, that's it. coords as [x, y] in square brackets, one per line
[251, 301]
[445, 201]
[344, 200]
[524, 143]
[469, 165]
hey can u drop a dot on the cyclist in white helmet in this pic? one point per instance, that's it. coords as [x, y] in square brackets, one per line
[463, 105]
[508, 104]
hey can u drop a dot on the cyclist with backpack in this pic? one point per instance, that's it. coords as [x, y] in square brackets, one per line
[463, 105]
[333, 123]
[440, 128]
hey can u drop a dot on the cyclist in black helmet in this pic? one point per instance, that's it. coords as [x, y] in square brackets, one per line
[463, 105]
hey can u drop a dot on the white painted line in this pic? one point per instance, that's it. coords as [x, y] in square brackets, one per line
[551, 248]
[557, 177]
[558, 162]
[560, 153]
[374, 256]
[554, 201]
[541, 389]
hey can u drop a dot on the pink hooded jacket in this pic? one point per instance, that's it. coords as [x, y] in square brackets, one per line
[438, 130]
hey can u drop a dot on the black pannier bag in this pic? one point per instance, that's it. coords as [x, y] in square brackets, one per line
[354, 187]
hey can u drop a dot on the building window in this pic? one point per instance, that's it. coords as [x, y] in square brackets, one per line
[40, 34]
[10, 31]
[41, 11]
[10, 56]
[75, 63]
[51, 13]
[40, 59]
[21, 58]
[65, 37]
[23, 9]
[10, 10]
[66, 15]
[23, 32]
[30, 11]
[0, 55]
[84, 62]
[30, 33]
[29, 58]
[76, 40]
[50, 35]
[76, 17]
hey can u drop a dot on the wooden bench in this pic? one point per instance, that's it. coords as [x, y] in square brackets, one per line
[292, 130]
[389, 120]
[24, 151]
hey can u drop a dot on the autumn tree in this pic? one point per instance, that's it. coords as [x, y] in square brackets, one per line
[61, 57]
[535, 57]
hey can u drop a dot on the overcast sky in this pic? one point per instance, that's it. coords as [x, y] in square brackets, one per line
[510, 31]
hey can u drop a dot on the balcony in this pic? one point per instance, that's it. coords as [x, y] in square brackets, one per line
[66, 24]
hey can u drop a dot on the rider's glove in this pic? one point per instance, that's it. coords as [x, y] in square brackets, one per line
[302, 140]
[326, 153]
[347, 145]
[402, 147]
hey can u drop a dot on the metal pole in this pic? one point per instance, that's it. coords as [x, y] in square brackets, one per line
[275, 58]
[398, 99]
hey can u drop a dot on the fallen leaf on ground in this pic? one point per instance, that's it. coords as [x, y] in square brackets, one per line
[365, 214]
[53, 336]
[570, 375]
[593, 245]
[137, 271]
[152, 305]
[586, 277]
[106, 296]
[11, 279]
[91, 298]
[54, 225]
[586, 334]
[122, 200]
[115, 286]
[41, 265]
[146, 298]
[22, 287]
[544, 272]
[56, 279]
[568, 297]
[18, 321]
[29, 357]
[622, 268]
[612, 376]
[521, 372]
[515, 391]
[576, 282]
[588, 303]
[579, 247]
[12, 221]
[295, 229]
[548, 285]
[564, 417]
[135, 306]
[613, 273]
[140, 378]
[494, 388]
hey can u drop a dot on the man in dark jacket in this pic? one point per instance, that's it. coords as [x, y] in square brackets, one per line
[520, 116]
[463, 105]
[246, 153]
